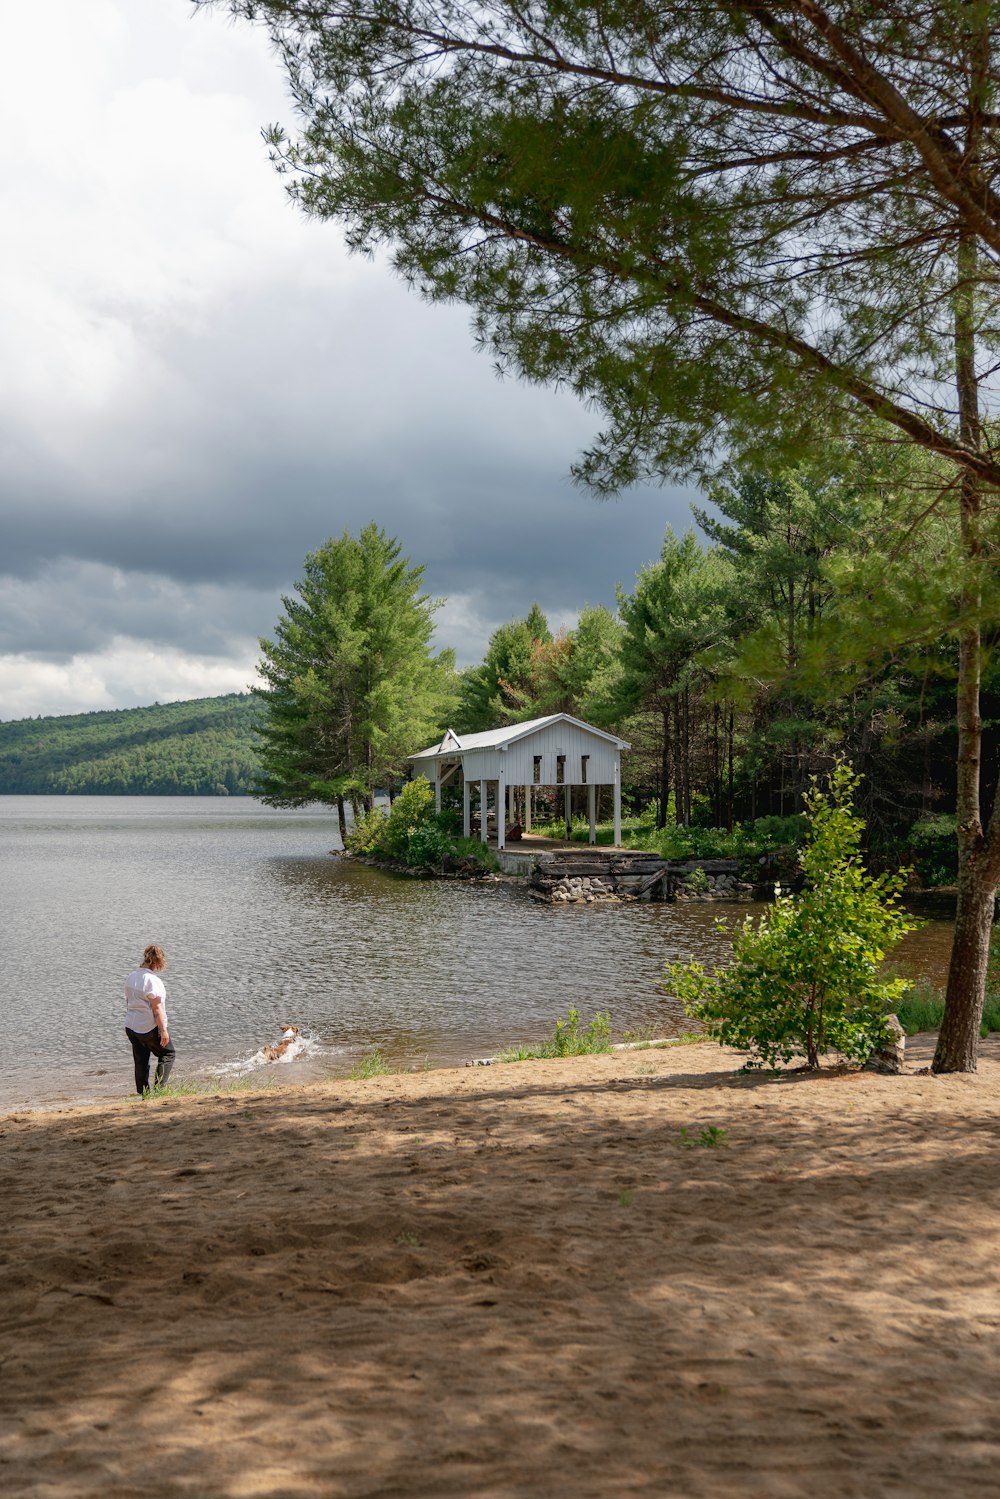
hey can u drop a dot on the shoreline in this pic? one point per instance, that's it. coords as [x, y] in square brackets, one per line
[635, 1272]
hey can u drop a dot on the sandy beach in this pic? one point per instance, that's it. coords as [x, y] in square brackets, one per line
[519, 1280]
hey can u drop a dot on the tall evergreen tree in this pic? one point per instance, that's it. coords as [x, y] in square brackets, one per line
[674, 613]
[351, 684]
[502, 689]
[578, 669]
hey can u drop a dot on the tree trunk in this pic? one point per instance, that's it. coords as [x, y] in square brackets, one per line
[687, 759]
[958, 1041]
[342, 820]
[729, 773]
[661, 819]
[678, 766]
[717, 811]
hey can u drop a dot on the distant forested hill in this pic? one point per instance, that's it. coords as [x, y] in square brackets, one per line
[199, 748]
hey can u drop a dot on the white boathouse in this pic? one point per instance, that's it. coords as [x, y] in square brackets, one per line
[557, 751]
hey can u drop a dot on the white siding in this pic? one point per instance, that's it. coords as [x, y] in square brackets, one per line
[518, 761]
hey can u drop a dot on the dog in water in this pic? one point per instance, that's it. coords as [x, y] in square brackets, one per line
[289, 1036]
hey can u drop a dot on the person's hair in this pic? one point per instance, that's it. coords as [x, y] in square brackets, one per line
[154, 956]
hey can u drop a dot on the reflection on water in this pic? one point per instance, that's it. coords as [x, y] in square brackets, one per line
[262, 926]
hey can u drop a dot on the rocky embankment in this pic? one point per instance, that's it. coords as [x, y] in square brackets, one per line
[618, 877]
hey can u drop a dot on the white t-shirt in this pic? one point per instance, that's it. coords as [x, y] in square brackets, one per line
[140, 987]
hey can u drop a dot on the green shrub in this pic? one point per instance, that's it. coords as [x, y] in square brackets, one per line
[412, 833]
[428, 845]
[413, 806]
[922, 1009]
[697, 881]
[473, 848]
[746, 842]
[568, 1040]
[450, 821]
[367, 833]
[373, 1064]
[808, 976]
[933, 849]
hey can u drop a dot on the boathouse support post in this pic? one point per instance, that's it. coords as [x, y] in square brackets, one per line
[592, 811]
[618, 807]
[466, 807]
[529, 797]
[483, 812]
[501, 811]
[568, 804]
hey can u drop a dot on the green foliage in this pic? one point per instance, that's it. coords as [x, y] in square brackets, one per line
[502, 689]
[746, 842]
[595, 230]
[674, 615]
[712, 1137]
[528, 673]
[412, 808]
[410, 832]
[807, 978]
[428, 845]
[372, 1064]
[474, 848]
[201, 747]
[351, 686]
[367, 833]
[697, 881]
[570, 1041]
[567, 1041]
[934, 850]
[922, 1007]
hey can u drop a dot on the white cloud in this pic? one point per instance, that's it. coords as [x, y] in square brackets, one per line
[124, 675]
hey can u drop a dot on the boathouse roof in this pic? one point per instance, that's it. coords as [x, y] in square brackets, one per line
[452, 744]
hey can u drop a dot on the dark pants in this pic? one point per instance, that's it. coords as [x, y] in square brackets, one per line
[144, 1048]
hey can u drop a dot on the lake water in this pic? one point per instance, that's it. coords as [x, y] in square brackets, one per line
[261, 926]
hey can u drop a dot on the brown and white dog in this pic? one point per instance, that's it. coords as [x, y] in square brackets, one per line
[289, 1035]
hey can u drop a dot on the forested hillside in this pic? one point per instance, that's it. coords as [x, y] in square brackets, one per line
[203, 747]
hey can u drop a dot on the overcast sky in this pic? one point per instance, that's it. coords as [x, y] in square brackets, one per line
[199, 386]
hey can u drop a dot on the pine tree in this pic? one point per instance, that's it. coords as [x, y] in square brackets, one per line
[352, 686]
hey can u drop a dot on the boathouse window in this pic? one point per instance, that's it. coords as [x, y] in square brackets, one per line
[560, 770]
[538, 770]
[583, 769]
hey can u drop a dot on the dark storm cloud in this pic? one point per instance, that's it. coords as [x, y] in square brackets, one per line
[293, 422]
[199, 387]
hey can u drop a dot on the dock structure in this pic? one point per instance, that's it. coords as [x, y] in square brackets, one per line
[620, 872]
[503, 769]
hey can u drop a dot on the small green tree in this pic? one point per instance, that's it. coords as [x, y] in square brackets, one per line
[807, 977]
[413, 807]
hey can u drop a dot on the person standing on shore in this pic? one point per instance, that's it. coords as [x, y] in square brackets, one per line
[146, 1020]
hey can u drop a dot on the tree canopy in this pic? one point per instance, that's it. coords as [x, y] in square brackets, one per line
[351, 683]
[201, 747]
[722, 221]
